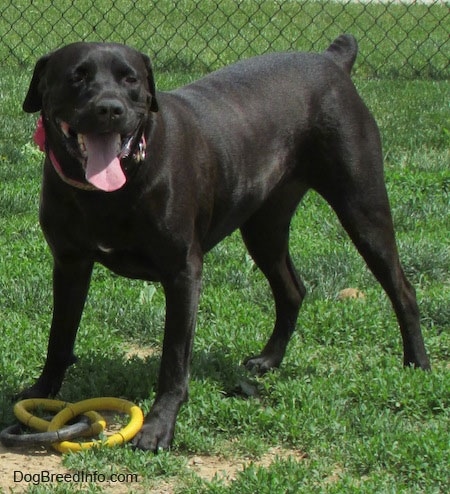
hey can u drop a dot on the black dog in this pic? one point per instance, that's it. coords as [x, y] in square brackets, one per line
[147, 182]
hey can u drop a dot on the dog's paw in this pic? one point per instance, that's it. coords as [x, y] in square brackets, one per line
[34, 391]
[153, 436]
[261, 364]
[44, 387]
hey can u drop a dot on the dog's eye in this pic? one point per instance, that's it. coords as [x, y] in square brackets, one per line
[77, 77]
[130, 79]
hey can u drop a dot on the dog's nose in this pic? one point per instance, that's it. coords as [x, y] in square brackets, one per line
[109, 109]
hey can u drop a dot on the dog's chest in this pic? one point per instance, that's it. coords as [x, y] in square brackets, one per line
[130, 263]
[121, 239]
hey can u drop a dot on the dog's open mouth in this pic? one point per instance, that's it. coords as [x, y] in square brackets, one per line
[100, 155]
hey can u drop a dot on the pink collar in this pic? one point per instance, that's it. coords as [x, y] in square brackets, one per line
[39, 138]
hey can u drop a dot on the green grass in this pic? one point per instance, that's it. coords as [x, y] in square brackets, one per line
[341, 398]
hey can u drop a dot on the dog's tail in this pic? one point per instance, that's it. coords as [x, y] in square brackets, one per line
[343, 51]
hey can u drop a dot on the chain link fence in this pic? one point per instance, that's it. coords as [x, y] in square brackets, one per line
[396, 38]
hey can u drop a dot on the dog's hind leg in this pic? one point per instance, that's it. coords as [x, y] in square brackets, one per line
[266, 235]
[357, 193]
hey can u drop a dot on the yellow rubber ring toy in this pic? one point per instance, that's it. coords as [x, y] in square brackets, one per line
[73, 409]
[21, 411]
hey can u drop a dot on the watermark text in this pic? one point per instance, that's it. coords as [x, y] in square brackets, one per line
[47, 477]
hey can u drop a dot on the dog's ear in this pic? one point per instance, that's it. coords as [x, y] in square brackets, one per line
[33, 99]
[151, 83]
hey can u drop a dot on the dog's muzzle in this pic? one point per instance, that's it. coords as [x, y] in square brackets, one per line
[100, 155]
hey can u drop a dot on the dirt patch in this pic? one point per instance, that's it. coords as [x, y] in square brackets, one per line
[142, 352]
[207, 467]
[20, 467]
[351, 293]
[16, 462]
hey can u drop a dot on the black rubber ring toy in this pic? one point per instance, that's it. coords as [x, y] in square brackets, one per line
[13, 435]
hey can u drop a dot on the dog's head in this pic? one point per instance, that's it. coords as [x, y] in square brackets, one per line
[95, 100]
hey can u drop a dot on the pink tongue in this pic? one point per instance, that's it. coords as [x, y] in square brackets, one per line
[103, 168]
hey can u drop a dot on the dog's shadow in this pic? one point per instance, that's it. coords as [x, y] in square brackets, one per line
[135, 377]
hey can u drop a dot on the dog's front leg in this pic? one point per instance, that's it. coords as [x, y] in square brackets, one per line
[70, 285]
[182, 295]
